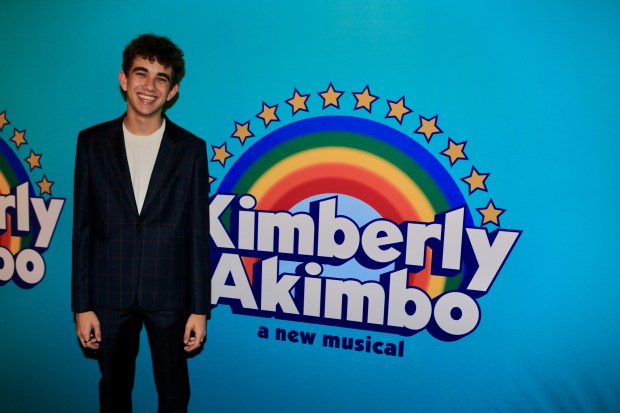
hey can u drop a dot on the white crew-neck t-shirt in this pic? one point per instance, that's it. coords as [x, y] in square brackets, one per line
[141, 154]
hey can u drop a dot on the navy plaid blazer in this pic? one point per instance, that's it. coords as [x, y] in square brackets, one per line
[158, 258]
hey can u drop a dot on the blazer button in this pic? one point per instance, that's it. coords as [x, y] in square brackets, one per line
[137, 227]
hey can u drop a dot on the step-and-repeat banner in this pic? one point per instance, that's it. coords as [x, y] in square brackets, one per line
[412, 203]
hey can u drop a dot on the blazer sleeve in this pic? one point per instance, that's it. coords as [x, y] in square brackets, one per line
[200, 276]
[80, 277]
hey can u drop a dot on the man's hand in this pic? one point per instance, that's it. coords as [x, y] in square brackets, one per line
[197, 324]
[88, 329]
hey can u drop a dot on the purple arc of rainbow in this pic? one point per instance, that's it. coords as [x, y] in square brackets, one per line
[364, 159]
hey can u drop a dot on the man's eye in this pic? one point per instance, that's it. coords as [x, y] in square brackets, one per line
[162, 80]
[140, 74]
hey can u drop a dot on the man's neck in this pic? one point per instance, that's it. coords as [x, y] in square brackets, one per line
[142, 125]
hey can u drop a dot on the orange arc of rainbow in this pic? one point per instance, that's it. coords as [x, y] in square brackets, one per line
[346, 156]
[382, 195]
[325, 163]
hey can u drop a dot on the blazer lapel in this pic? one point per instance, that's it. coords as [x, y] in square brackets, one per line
[163, 165]
[120, 165]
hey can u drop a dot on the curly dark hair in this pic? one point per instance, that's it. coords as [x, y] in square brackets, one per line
[155, 48]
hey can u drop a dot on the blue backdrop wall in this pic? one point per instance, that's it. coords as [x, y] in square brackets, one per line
[531, 86]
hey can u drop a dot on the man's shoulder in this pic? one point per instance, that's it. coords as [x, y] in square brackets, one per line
[182, 135]
[103, 129]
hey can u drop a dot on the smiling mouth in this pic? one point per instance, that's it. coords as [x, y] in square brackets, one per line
[146, 98]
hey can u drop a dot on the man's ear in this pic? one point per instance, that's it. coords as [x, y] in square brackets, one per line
[173, 92]
[122, 79]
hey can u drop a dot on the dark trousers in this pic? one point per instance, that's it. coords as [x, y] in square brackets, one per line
[120, 341]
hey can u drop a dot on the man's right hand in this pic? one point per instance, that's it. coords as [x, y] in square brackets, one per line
[88, 329]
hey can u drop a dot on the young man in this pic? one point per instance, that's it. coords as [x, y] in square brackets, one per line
[141, 234]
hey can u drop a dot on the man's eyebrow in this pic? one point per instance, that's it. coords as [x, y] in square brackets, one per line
[144, 69]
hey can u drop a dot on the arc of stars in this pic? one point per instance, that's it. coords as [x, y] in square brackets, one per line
[490, 213]
[242, 132]
[364, 99]
[398, 110]
[454, 151]
[330, 97]
[475, 180]
[428, 127]
[298, 102]
[220, 154]
[268, 114]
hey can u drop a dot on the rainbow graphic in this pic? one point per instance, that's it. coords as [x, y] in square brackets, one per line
[366, 160]
[12, 173]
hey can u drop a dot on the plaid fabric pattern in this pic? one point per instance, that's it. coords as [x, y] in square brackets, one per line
[158, 257]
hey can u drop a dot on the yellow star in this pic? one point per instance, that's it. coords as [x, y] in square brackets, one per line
[454, 151]
[19, 138]
[490, 213]
[242, 132]
[33, 160]
[330, 97]
[364, 99]
[3, 120]
[211, 179]
[220, 154]
[298, 102]
[475, 180]
[428, 127]
[268, 114]
[398, 110]
[45, 186]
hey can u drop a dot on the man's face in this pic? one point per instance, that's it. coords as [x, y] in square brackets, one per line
[148, 87]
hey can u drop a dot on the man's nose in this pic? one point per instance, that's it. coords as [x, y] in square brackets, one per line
[150, 83]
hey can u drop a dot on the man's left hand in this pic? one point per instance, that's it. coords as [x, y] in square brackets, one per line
[197, 324]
